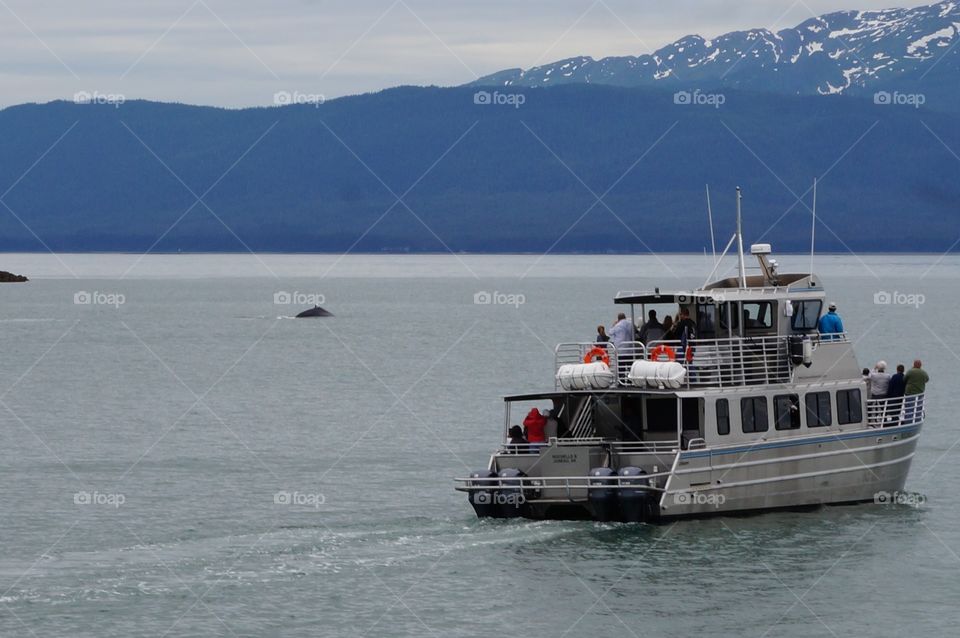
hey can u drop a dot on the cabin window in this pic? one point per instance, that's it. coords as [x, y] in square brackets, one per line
[723, 416]
[757, 315]
[806, 314]
[818, 410]
[753, 414]
[786, 411]
[849, 407]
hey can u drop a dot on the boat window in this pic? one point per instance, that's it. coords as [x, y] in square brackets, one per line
[723, 416]
[753, 414]
[757, 315]
[818, 409]
[849, 406]
[786, 411]
[806, 314]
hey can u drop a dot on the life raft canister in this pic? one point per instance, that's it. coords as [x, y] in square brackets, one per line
[597, 354]
[663, 352]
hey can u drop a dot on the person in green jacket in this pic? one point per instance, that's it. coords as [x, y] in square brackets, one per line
[916, 379]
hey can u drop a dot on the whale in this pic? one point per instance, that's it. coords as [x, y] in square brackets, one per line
[316, 311]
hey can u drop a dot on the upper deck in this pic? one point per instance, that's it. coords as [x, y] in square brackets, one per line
[728, 362]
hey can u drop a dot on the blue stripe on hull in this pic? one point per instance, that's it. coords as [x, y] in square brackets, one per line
[903, 429]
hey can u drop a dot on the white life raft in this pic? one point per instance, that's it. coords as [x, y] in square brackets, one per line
[585, 376]
[657, 374]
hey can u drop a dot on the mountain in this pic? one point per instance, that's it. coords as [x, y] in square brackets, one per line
[853, 52]
[477, 175]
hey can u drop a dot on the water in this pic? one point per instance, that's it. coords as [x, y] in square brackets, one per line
[185, 412]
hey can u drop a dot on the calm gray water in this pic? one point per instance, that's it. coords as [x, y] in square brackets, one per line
[144, 445]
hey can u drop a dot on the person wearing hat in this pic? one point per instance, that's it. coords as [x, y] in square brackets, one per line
[830, 323]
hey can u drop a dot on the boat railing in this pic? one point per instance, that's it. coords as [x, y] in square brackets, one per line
[727, 362]
[646, 482]
[644, 447]
[893, 411]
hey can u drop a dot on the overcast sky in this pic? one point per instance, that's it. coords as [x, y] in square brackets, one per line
[241, 52]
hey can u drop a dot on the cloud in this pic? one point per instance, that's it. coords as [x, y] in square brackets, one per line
[240, 52]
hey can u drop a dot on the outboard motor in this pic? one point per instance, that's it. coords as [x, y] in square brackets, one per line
[602, 494]
[482, 500]
[509, 500]
[636, 505]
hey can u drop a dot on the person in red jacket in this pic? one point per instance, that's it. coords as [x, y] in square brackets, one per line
[535, 424]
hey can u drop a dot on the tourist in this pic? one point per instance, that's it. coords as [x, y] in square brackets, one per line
[516, 435]
[830, 323]
[879, 381]
[916, 379]
[916, 384]
[535, 423]
[622, 331]
[652, 330]
[668, 332]
[685, 328]
[602, 336]
[898, 384]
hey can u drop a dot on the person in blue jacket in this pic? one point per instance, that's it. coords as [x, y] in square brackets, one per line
[831, 323]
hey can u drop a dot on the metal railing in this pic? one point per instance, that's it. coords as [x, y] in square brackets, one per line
[568, 483]
[644, 447]
[906, 410]
[728, 362]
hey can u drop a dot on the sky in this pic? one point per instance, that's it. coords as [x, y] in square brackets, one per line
[241, 53]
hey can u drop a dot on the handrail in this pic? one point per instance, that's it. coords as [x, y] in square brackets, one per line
[892, 411]
[723, 362]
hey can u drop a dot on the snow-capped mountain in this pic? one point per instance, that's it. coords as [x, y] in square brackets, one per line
[842, 52]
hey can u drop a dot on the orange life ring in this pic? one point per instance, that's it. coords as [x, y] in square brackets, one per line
[663, 350]
[597, 354]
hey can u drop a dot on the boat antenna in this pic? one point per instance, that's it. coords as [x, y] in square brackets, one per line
[813, 226]
[743, 267]
[717, 264]
[713, 243]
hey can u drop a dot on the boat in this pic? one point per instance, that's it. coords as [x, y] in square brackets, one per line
[757, 412]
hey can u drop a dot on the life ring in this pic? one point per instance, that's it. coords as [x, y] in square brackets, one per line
[663, 350]
[597, 354]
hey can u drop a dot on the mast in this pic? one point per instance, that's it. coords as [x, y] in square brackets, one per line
[743, 267]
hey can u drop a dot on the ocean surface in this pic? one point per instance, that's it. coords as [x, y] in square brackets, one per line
[180, 458]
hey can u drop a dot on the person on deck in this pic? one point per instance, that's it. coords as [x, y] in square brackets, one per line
[622, 331]
[917, 379]
[831, 323]
[602, 336]
[879, 381]
[535, 423]
[652, 330]
[898, 384]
